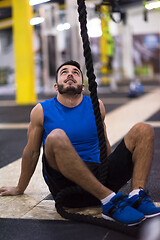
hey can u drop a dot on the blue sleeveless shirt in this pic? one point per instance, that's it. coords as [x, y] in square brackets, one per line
[77, 122]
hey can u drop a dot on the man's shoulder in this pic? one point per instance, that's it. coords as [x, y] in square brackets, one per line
[47, 101]
[36, 114]
[87, 98]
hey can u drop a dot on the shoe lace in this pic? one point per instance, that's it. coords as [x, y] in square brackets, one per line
[144, 195]
[120, 202]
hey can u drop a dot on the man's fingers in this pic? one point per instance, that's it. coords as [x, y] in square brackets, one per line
[2, 189]
[9, 191]
[4, 193]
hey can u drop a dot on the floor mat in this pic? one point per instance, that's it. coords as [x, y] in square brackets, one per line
[15, 114]
[155, 117]
[18, 229]
[12, 143]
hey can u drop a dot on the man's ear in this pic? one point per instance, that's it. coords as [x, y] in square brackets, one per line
[83, 87]
[56, 87]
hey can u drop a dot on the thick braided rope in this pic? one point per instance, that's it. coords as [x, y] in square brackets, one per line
[132, 231]
[92, 83]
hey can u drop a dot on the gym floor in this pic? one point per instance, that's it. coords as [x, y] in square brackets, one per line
[33, 215]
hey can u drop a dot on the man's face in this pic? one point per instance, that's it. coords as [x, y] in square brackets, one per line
[69, 80]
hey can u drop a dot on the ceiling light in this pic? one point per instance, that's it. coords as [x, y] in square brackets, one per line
[94, 27]
[36, 20]
[64, 26]
[152, 5]
[35, 2]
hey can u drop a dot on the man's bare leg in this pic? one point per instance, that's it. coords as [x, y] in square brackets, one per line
[61, 156]
[140, 142]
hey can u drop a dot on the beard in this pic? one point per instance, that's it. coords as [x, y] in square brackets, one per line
[70, 90]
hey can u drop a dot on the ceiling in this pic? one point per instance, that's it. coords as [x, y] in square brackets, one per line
[7, 12]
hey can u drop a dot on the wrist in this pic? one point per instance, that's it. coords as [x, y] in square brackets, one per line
[19, 190]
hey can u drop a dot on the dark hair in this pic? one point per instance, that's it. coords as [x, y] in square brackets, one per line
[70, 62]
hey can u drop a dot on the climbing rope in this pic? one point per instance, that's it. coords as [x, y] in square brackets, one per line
[61, 196]
[92, 86]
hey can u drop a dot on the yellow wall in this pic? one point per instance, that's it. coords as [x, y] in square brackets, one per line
[24, 55]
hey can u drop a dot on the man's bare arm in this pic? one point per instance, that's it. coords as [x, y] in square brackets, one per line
[30, 154]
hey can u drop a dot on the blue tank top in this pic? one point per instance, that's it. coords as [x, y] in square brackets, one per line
[77, 122]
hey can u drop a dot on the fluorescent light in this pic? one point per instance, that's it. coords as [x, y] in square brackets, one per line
[94, 27]
[36, 20]
[152, 5]
[35, 2]
[64, 26]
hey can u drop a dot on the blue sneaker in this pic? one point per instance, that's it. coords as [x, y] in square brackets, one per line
[143, 204]
[117, 209]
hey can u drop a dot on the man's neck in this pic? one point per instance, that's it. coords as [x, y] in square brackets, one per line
[69, 100]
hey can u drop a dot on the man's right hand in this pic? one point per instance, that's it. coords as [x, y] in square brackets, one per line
[9, 191]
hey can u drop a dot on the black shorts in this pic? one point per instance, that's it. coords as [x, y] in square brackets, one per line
[120, 168]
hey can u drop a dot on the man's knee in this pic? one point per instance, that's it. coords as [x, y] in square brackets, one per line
[140, 132]
[144, 130]
[56, 139]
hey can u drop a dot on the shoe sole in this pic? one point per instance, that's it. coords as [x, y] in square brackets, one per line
[152, 215]
[128, 224]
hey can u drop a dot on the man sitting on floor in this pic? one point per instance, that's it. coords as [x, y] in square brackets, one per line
[66, 126]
